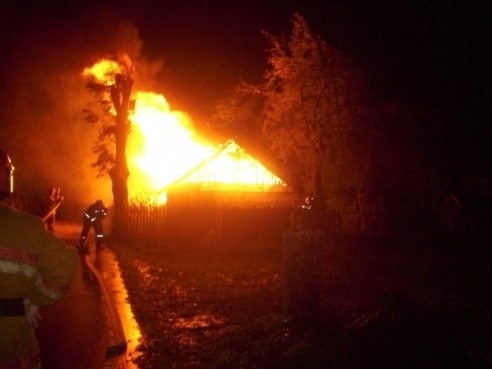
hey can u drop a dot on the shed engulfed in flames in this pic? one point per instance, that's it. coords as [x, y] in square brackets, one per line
[163, 149]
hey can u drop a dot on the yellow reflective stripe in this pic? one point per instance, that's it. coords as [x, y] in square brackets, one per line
[13, 267]
[47, 288]
[52, 291]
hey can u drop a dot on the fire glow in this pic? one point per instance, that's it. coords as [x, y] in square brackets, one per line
[163, 148]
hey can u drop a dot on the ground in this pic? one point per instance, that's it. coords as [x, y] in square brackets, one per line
[385, 304]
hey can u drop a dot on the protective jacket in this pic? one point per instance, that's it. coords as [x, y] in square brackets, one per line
[95, 212]
[36, 265]
[93, 217]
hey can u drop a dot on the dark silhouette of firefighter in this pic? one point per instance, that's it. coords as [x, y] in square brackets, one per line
[36, 269]
[92, 218]
[52, 202]
[302, 257]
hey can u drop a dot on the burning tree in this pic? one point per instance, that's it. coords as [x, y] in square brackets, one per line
[110, 81]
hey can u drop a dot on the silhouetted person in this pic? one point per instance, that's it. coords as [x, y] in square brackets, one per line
[52, 201]
[92, 218]
[36, 269]
[302, 258]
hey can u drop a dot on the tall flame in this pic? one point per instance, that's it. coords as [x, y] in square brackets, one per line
[163, 147]
[103, 71]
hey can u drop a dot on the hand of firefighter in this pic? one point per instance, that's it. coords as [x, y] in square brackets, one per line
[32, 312]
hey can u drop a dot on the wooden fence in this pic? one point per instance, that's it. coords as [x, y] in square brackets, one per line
[196, 224]
[32, 204]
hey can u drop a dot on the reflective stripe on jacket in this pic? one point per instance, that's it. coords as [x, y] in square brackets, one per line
[95, 212]
[34, 264]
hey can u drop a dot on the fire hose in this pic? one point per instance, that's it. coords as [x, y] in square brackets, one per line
[53, 209]
[118, 344]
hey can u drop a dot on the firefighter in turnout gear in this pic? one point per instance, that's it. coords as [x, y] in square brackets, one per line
[36, 269]
[93, 218]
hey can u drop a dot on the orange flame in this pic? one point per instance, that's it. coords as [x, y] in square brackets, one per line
[103, 71]
[162, 145]
[163, 148]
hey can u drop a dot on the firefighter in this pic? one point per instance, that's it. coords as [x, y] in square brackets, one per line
[53, 199]
[302, 254]
[92, 218]
[36, 269]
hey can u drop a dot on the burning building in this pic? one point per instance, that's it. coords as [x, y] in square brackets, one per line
[176, 173]
[227, 195]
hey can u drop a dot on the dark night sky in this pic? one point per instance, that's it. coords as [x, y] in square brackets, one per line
[432, 52]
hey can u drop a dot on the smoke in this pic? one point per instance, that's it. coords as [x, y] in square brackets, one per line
[42, 125]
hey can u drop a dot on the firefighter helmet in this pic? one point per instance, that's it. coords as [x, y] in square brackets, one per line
[308, 202]
[309, 211]
[6, 174]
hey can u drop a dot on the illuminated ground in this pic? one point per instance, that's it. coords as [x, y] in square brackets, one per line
[385, 305]
[81, 330]
[74, 332]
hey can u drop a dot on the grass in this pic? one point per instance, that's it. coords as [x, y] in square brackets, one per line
[383, 305]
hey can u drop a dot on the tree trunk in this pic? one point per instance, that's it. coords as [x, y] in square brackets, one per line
[120, 96]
